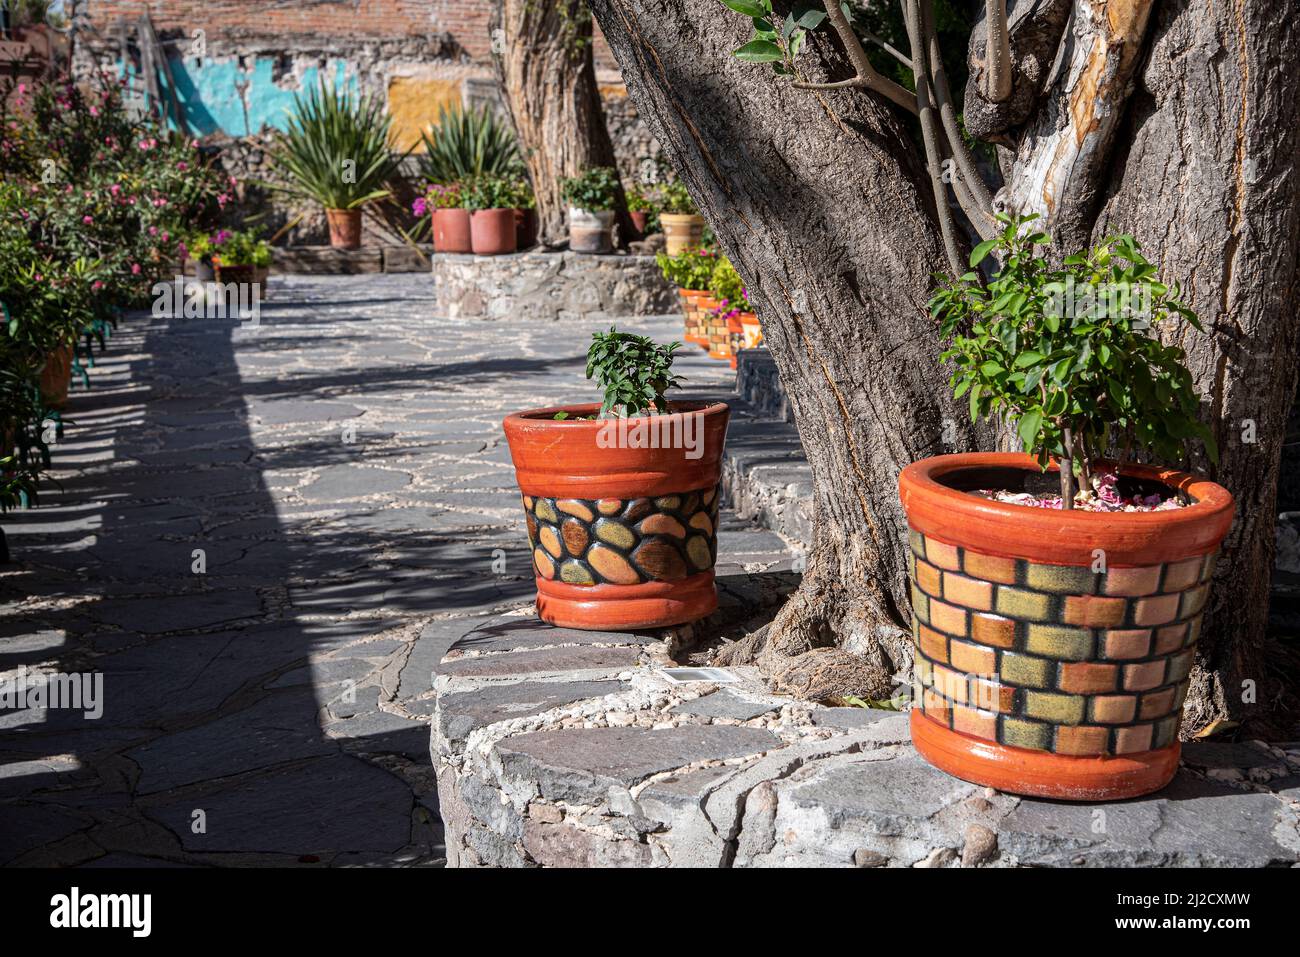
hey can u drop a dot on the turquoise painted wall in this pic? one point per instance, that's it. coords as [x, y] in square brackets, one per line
[210, 92]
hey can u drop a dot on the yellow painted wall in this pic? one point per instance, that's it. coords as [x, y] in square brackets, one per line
[413, 102]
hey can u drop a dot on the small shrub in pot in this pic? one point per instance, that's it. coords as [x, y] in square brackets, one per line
[592, 198]
[1057, 593]
[490, 201]
[690, 271]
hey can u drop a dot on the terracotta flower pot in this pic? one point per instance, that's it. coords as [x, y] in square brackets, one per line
[705, 319]
[623, 535]
[492, 232]
[345, 228]
[1053, 648]
[718, 330]
[56, 376]
[590, 231]
[525, 229]
[751, 331]
[681, 231]
[451, 231]
[690, 300]
[639, 218]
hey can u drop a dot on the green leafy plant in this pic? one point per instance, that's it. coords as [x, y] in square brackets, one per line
[488, 192]
[692, 268]
[245, 248]
[675, 200]
[726, 286]
[467, 144]
[640, 200]
[594, 190]
[632, 371]
[1067, 354]
[336, 150]
[521, 194]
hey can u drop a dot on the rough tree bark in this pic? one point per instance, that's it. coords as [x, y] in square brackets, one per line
[543, 57]
[821, 201]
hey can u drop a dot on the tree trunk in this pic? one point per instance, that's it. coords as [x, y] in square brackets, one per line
[822, 203]
[1211, 186]
[543, 57]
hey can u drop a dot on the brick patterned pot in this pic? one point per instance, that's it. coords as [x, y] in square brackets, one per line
[345, 228]
[1053, 648]
[622, 526]
[690, 299]
[492, 232]
[451, 232]
[681, 231]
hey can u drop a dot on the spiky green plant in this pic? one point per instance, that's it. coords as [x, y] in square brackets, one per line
[336, 150]
[467, 144]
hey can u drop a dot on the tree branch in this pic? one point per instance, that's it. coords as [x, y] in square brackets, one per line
[865, 74]
[997, 73]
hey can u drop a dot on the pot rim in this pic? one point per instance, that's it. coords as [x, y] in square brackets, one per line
[1057, 536]
[545, 416]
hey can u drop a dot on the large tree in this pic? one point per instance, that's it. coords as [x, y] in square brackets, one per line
[543, 54]
[839, 193]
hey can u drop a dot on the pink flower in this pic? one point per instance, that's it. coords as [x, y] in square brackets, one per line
[87, 220]
[96, 286]
[135, 269]
[420, 206]
[115, 189]
[153, 230]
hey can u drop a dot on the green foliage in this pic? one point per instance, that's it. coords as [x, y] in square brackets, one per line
[675, 200]
[244, 248]
[632, 371]
[692, 268]
[488, 192]
[336, 150]
[641, 200]
[1052, 349]
[726, 286]
[467, 144]
[594, 190]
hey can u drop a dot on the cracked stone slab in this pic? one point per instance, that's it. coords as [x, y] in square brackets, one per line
[461, 714]
[544, 660]
[726, 704]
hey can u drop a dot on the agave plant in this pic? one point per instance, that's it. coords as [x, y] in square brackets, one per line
[336, 150]
[467, 144]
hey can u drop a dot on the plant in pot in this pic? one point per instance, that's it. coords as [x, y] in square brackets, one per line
[524, 201]
[690, 270]
[337, 152]
[243, 257]
[621, 496]
[467, 144]
[680, 218]
[592, 198]
[643, 210]
[730, 319]
[443, 203]
[201, 248]
[1057, 593]
[490, 201]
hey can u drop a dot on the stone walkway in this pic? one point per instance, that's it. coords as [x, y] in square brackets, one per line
[264, 541]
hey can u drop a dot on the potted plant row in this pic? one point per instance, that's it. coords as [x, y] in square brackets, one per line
[486, 215]
[731, 324]
[243, 258]
[621, 497]
[592, 197]
[1057, 593]
[690, 271]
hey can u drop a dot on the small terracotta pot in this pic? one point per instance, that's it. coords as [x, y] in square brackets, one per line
[345, 228]
[492, 232]
[681, 231]
[56, 376]
[690, 300]
[624, 535]
[639, 219]
[451, 231]
[590, 231]
[525, 229]
[1053, 647]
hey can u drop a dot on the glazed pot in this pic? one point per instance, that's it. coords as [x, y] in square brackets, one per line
[690, 300]
[345, 228]
[451, 231]
[590, 231]
[56, 376]
[492, 232]
[525, 229]
[624, 535]
[681, 231]
[1053, 647]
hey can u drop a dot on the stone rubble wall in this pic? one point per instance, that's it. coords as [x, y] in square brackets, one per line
[565, 748]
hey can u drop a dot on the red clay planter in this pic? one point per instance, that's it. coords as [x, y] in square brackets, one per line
[451, 231]
[1053, 647]
[492, 232]
[622, 519]
[345, 228]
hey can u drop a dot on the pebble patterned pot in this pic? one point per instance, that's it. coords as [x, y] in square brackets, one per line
[345, 228]
[623, 537]
[1053, 648]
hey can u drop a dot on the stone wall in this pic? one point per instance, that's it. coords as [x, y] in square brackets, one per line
[551, 286]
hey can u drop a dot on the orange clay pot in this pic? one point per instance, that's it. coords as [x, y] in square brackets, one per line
[690, 300]
[451, 231]
[345, 228]
[56, 376]
[622, 514]
[1053, 647]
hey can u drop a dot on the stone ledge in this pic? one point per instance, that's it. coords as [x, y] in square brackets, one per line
[328, 261]
[550, 286]
[600, 761]
[765, 476]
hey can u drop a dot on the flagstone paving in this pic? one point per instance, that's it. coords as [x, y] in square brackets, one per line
[264, 538]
